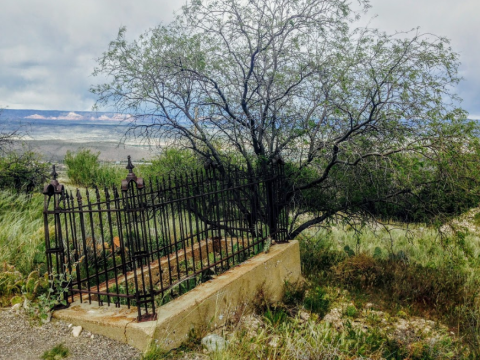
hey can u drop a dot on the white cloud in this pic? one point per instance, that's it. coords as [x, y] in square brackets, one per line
[48, 48]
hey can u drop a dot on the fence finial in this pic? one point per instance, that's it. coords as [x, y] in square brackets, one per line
[54, 173]
[130, 166]
[54, 187]
[131, 176]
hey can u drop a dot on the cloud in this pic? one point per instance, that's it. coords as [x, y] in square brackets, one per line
[48, 48]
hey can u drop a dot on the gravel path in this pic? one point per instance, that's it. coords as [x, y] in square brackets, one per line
[22, 339]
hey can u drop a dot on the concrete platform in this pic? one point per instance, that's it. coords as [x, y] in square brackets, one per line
[207, 306]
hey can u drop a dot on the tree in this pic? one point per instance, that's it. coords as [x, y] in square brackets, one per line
[356, 114]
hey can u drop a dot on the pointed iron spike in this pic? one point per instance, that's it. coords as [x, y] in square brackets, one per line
[79, 196]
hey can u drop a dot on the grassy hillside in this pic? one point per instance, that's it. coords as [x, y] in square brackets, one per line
[379, 291]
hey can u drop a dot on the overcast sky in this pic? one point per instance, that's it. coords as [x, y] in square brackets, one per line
[48, 47]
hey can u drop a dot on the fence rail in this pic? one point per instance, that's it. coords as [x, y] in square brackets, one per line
[150, 241]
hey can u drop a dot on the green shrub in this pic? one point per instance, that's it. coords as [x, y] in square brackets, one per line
[316, 301]
[84, 169]
[23, 171]
[351, 311]
[172, 162]
[275, 316]
[294, 293]
[82, 166]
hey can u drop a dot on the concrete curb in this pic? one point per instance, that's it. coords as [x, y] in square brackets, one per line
[206, 307]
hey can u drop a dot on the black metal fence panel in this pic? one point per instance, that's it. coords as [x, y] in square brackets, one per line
[150, 241]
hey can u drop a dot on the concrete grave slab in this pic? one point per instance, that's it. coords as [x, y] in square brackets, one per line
[207, 306]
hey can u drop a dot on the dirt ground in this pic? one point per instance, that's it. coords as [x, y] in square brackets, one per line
[20, 339]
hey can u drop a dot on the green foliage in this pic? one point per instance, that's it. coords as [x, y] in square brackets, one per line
[351, 311]
[421, 274]
[275, 316]
[11, 280]
[84, 169]
[154, 352]
[294, 293]
[58, 352]
[22, 231]
[317, 301]
[172, 162]
[22, 171]
[55, 294]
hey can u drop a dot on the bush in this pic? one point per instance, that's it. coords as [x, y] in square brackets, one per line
[317, 301]
[22, 171]
[84, 169]
[172, 162]
[82, 166]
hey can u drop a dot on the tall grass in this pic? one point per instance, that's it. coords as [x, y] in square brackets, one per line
[416, 269]
[22, 242]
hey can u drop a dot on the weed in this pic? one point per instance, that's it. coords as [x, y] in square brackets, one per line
[275, 316]
[59, 351]
[294, 293]
[317, 301]
[351, 311]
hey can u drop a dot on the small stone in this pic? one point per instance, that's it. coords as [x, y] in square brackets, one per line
[69, 326]
[305, 316]
[214, 342]
[274, 342]
[16, 308]
[76, 331]
[92, 337]
[26, 304]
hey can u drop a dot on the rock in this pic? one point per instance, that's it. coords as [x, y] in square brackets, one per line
[334, 317]
[305, 316]
[251, 324]
[76, 331]
[69, 326]
[92, 337]
[26, 304]
[16, 308]
[213, 342]
[274, 342]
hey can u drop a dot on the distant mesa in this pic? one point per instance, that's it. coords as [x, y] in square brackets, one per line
[37, 117]
[74, 116]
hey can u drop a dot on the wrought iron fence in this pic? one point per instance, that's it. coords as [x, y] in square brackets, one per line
[150, 241]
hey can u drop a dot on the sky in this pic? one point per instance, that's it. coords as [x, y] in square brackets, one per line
[48, 48]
